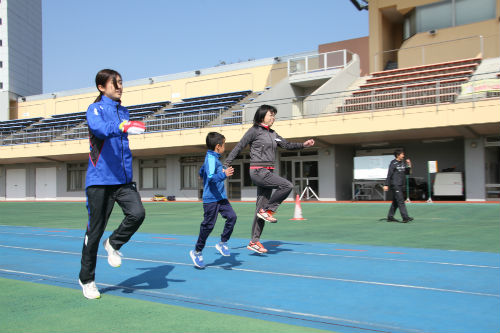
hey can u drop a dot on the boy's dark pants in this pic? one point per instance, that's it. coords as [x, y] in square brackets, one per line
[210, 212]
[100, 202]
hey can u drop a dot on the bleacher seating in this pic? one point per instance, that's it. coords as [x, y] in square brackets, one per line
[62, 126]
[9, 127]
[197, 112]
[427, 84]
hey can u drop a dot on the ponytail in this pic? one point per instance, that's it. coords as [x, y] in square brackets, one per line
[98, 98]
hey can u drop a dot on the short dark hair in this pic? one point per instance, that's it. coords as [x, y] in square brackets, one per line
[261, 113]
[397, 152]
[214, 139]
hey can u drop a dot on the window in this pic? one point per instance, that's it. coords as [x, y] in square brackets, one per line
[470, 11]
[76, 176]
[190, 166]
[434, 16]
[190, 176]
[446, 14]
[152, 174]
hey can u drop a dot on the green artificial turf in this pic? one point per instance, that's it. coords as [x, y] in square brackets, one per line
[461, 226]
[38, 308]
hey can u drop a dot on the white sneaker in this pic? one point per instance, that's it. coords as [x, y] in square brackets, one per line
[114, 256]
[90, 290]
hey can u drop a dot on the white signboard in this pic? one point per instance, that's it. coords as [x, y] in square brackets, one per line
[432, 166]
[371, 167]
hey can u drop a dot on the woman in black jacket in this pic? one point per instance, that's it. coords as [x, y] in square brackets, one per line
[263, 142]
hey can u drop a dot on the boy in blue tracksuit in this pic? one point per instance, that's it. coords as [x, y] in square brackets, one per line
[214, 199]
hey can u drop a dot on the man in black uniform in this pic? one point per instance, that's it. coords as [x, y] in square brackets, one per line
[396, 181]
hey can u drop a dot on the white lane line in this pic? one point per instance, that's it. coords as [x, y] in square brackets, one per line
[230, 305]
[302, 276]
[289, 252]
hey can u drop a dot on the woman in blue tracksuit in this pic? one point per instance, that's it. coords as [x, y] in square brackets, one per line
[109, 178]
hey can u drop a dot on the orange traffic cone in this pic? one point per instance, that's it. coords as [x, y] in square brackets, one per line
[297, 215]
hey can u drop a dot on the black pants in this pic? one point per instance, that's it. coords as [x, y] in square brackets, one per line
[398, 201]
[266, 181]
[210, 212]
[100, 202]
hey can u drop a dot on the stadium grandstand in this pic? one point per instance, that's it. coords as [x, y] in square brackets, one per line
[423, 82]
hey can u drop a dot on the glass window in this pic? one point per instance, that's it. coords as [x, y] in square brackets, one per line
[470, 11]
[434, 16]
[286, 169]
[153, 174]
[77, 173]
[310, 169]
[410, 25]
[247, 181]
[147, 177]
[190, 176]
[237, 172]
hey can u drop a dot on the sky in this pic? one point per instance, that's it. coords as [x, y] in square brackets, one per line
[145, 38]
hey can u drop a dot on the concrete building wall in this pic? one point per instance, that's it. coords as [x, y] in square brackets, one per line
[21, 50]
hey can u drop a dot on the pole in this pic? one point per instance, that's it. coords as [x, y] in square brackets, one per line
[429, 199]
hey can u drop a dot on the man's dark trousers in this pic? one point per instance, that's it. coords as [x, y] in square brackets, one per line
[398, 201]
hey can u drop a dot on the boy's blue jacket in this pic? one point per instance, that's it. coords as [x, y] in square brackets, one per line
[110, 158]
[213, 178]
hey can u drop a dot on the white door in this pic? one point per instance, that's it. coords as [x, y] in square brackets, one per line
[46, 182]
[16, 184]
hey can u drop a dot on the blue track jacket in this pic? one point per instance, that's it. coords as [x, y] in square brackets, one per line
[110, 158]
[213, 178]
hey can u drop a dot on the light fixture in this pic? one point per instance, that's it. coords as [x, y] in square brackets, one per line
[437, 140]
[375, 144]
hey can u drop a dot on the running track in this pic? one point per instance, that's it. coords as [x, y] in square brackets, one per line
[337, 287]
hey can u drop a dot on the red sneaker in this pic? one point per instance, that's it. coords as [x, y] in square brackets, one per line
[267, 216]
[257, 247]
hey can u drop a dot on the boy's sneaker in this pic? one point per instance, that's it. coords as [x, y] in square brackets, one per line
[90, 290]
[223, 249]
[114, 256]
[267, 216]
[257, 247]
[197, 259]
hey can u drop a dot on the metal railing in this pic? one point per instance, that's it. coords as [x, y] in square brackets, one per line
[466, 47]
[319, 62]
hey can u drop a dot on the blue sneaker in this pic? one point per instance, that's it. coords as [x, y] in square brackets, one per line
[223, 249]
[197, 259]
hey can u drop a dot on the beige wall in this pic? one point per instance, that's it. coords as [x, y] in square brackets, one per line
[385, 35]
[356, 45]
[255, 79]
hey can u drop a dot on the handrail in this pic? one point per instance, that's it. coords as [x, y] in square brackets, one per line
[318, 62]
[379, 57]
